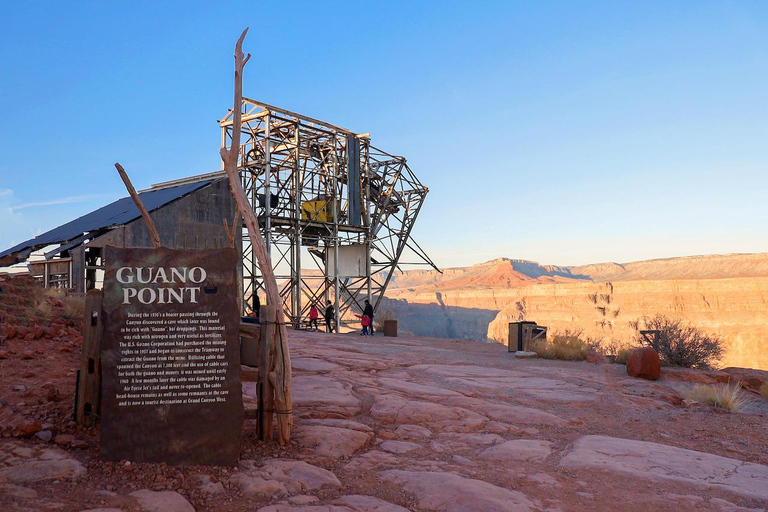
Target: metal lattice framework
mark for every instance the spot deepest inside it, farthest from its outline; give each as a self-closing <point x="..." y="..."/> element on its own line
<point x="316" y="189"/>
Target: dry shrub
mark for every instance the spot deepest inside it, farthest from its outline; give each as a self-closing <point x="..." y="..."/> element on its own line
<point x="567" y="346"/>
<point x="39" y="299"/>
<point x="623" y="355"/>
<point x="616" y="350"/>
<point x="764" y="389"/>
<point x="382" y="316"/>
<point x="682" y="345"/>
<point x="725" y="397"/>
<point x="74" y="307"/>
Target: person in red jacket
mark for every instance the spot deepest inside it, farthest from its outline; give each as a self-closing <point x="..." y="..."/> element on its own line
<point x="365" y="321"/>
<point x="313" y="315"/>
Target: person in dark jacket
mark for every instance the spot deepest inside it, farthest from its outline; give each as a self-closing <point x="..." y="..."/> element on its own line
<point x="329" y="317"/>
<point x="368" y="311"/>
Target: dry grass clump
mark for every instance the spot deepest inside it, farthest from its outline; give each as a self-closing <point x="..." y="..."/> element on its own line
<point x="616" y="351"/>
<point x="381" y="317"/>
<point x="725" y="397"/>
<point x="764" y="390"/>
<point x="74" y="307"/>
<point x="622" y="355"/>
<point x="567" y="346"/>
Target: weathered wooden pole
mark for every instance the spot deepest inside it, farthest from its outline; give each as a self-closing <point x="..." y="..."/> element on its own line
<point x="282" y="373"/>
<point x="89" y="383"/>
<point x="266" y="363"/>
<point x="153" y="234"/>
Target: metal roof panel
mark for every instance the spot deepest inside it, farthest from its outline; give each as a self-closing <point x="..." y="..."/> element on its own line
<point x="118" y="213"/>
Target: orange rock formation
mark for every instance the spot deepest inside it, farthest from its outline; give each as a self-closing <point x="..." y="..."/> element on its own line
<point x="724" y="294"/>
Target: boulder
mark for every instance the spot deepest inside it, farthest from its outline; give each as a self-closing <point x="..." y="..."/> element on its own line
<point x="27" y="429"/>
<point x="44" y="435"/>
<point x="644" y="363"/>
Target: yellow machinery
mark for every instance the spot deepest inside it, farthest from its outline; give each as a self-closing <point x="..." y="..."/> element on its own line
<point x="318" y="210"/>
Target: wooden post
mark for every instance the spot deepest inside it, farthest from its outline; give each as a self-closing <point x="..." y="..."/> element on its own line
<point x="144" y="213"/>
<point x="89" y="384"/>
<point x="266" y="390"/>
<point x="232" y="235"/>
<point x="283" y="399"/>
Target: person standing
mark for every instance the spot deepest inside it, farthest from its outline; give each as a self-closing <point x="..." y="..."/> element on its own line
<point x="365" y="322"/>
<point x="313" y="315"/>
<point x="368" y="311"/>
<point x="329" y="316"/>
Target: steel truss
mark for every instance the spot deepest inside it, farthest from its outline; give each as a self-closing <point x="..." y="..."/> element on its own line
<point x="320" y="187"/>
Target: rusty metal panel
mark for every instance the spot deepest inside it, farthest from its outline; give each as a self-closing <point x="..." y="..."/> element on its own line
<point x="170" y="357"/>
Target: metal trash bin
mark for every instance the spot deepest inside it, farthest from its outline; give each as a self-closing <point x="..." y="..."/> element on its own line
<point x="390" y="328"/>
<point x="522" y="336"/>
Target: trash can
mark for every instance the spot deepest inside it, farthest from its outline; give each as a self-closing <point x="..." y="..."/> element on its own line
<point x="390" y="328"/>
<point x="523" y="334"/>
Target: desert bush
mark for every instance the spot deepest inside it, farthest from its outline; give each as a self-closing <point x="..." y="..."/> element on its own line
<point x="622" y="356"/>
<point x="616" y="350"/>
<point x="568" y="346"/>
<point x="764" y="389"/>
<point x="74" y="307"/>
<point x="381" y="317"/>
<point x="725" y="397"/>
<point x="682" y="345"/>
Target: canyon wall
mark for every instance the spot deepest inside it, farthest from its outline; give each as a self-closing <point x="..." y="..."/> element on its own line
<point x="457" y="303"/>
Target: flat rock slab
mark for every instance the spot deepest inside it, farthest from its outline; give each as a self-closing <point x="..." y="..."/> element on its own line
<point x="351" y="503"/>
<point x="251" y="485"/>
<point x="413" y="431"/>
<point x="298" y="476"/>
<point x="399" y="446"/>
<point x="456" y="442"/>
<point x="452" y="493"/>
<point x="43" y="471"/>
<point x="518" y="449"/>
<point x="163" y="501"/>
<point x="396" y="409"/>
<point x="331" y="443"/>
<point x="309" y="364"/>
<point x="324" y="393"/>
<point x="360" y="503"/>
<point x="658" y="462"/>
<point x="416" y="390"/>
<point x="508" y="413"/>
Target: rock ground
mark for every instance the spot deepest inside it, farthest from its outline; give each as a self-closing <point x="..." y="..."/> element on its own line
<point x="391" y="424"/>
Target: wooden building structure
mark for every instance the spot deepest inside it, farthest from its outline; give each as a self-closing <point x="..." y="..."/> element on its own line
<point x="188" y="213"/>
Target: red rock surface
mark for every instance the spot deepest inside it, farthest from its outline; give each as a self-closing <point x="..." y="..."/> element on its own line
<point x="644" y="363"/>
<point x="394" y="424"/>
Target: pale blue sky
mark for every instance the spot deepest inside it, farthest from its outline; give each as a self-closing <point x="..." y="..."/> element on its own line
<point x="563" y="132"/>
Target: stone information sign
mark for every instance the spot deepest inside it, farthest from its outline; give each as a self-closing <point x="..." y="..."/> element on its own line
<point x="170" y="357"/>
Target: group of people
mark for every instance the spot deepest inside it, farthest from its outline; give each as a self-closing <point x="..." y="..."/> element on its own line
<point x="329" y="316"/>
<point x="366" y="319"/>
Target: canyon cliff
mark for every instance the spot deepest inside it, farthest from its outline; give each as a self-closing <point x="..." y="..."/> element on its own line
<point x="722" y="294"/>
